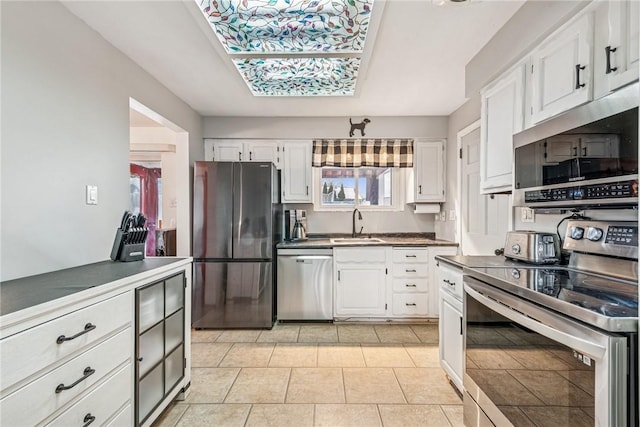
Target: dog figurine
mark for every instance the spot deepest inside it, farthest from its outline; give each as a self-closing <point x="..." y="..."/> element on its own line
<point x="360" y="126"/>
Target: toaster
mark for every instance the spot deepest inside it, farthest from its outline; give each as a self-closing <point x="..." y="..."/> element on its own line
<point x="532" y="247"/>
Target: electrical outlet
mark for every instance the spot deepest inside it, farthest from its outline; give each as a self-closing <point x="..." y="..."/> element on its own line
<point x="527" y="215"/>
<point x="443" y="216"/>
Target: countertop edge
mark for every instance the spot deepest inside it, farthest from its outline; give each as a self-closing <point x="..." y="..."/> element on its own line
<point x="13" y="322"/>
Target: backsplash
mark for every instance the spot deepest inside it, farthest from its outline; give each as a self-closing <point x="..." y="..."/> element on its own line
<point x="405" y="221"/>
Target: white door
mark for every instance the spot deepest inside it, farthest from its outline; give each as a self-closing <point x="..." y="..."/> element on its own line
<point x="562" y="70"/>
<point x="263" y="151"/>
<point x="429" y="167"/>
<point x="451" y="346"/>
<point x="227" y="151"/>
<point x="297" y="173"/>
<point x="624" y="35"/>
<point x="360" y="290"/>
<point x="485" y="218"/>
<point x="502" y="116"/>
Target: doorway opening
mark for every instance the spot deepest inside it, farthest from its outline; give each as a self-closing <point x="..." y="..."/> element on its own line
<point x="159" y="180"/>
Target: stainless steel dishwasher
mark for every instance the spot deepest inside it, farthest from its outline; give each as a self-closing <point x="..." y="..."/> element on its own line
<point x="305" y="284"/>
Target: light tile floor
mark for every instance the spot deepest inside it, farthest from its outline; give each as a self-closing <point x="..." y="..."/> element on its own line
<point x="317" y="375"/>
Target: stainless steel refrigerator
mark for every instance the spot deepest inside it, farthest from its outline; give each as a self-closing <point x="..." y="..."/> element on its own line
<point x="237" y="219"/>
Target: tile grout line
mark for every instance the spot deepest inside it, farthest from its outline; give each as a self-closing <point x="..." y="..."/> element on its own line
<point x="231" y="386"/>
<point x="404" y="396"/>
<point x="379" y="414"/>
<point x="223" y="356"/>
<point x="246" y="420"/>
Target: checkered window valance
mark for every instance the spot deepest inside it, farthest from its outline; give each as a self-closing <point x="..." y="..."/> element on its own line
<point x="353" y="153"/>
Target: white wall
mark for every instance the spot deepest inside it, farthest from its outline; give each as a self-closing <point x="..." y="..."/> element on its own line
<point x="323" y="127"/>
<point x="338" y="127"/>
<point x="65" y="117"/>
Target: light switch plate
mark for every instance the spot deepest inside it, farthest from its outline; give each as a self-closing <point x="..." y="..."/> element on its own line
<point x="527" y="215"/>
<point x="443" y="215"/>
<point x="92" y="194"/>
<point x="452" y="215"/>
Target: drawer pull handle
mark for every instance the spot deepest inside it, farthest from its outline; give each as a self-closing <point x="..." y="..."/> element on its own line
<point x="410" y="304"/>
<point x="409" y="256"/>
<point x="410" y="285"/>
<point x="448" y="282"/>
<point x="410" y="270"/>
<point x="85" y="374"/>
<point x="88" y="419"/>
<point x="88" y="327"/>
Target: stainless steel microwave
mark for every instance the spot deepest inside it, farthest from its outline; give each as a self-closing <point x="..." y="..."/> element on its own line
<point x="586" y="157"/>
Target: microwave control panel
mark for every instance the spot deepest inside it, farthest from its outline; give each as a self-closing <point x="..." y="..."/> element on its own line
<point x="613" y="190"/>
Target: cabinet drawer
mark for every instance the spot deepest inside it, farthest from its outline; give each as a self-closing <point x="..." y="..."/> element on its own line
<point x="410" y="255"/>
<point x="101" y="404"/>
<point x="31" y="404"/>
<point x="124" y="418"/>
<point x="418" y="284"/>
<point x="368" y="255"/>
<point x="410" y="304"/>
<point x="450" y="279"/>
<point x="28" y="352"/>
<point x="410" y="270"/>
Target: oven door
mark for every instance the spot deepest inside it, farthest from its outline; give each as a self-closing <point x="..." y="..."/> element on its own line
<point x="526" y="365"/>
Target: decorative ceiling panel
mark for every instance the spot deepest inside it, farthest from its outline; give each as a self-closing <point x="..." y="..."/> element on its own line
<point x="289" y="26"/>
<point x="300" y="76"/>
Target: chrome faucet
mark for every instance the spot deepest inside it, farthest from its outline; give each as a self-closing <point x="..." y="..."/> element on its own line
<point x="353" y="223"/>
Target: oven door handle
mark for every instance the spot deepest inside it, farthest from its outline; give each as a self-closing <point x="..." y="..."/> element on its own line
<point x="504" y="308"/>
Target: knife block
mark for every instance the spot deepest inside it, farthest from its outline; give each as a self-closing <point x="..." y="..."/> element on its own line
<point x="124" y="251"/>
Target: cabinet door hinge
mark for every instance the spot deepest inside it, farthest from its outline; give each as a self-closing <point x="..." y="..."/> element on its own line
<point x="184" y="281"/>
<point x="385" y="306"/>
<point x="386" y="271"/>
<point x="460" y="153"/>
<point x="531" y="68"/>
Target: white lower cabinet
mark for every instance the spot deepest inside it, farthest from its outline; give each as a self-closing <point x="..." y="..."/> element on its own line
<point x="77" y="361"/>
<point x="94" y="408"/>
<point x="74" y="365"/>
<point x="451" y="345"/>
<point x="360" y="282"/>
<point x="386" y="282"/>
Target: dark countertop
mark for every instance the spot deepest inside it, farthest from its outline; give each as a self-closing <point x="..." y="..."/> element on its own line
<point x="461" y="261"/>
<point x="30" y="291"/>
<point x="395" y="239"/>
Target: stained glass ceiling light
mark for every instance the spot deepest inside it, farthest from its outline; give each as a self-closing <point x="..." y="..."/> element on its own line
<point x="289" y="26"/>
<point x="293" y="47"/>
<point x="299" y="76"/>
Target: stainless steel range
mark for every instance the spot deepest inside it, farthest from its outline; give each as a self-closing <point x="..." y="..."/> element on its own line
<point x="556" y="345"/>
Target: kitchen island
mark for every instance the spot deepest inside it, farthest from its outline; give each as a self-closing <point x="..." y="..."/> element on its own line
<point x="89" y="343"/>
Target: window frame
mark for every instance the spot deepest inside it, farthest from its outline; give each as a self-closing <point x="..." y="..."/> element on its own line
<point x="397" y="195"/>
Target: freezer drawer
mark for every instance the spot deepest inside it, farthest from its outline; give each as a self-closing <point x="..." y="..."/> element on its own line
<point x="304" y="285"/>
<point x="233" y="295"/>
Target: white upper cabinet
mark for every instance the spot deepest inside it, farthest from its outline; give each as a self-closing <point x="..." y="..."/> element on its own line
<point x="502" y="113"/>
<point x="297" y="172"/>
<point x="622" y="51"/>
<point x="562" y="69"/>
<point x="426" y="180"/>
<point x="262" y="151"/>
<point x="221" y="150"/>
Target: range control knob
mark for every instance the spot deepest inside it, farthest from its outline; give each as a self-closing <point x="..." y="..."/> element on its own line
<point x="594" y="234"/>
<point x="576" y="233"/>
<point x="515" y="249"/>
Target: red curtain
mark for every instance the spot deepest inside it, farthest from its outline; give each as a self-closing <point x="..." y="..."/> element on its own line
<point x="148" y="201"/>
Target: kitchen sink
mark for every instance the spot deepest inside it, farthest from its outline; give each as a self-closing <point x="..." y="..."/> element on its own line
<point x="356" y="240"/>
